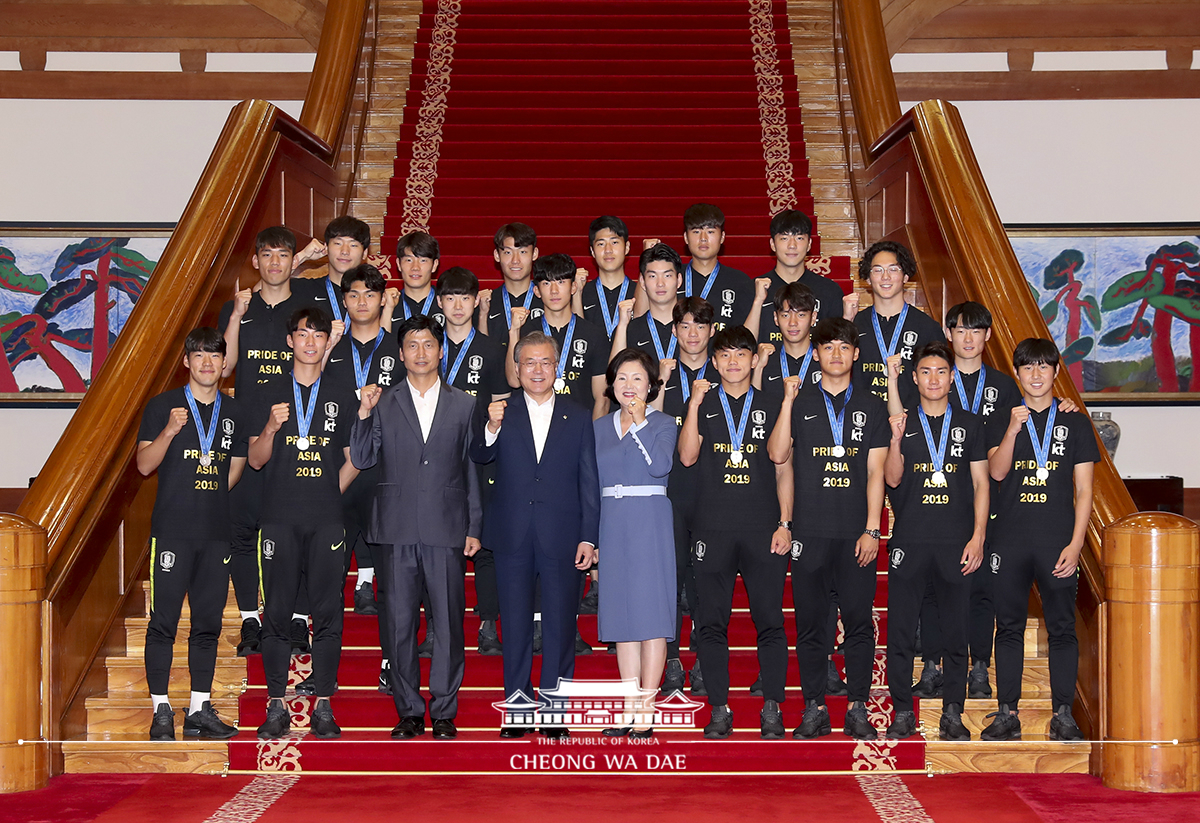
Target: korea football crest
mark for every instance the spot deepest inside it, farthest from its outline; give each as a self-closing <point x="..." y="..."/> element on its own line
<point x="1059" y="447"/>
<point x="268" y="549"/>
<point x="387" y="364"/>
<point x="331" y="411"/>
<point x="474" y="366"/>
<point x="994" y="563"/>
<point x="897" y="558"/>
<point x="759" y="418"/>
<point x="166" y="561"/>
<point x="227" y="427"/>
<point x="797" y="549"/>
<point x="727" y="298"/>
<point x="958" y="436"/>
<point x="578" y="348"/>
<point x="859" y="419"/>
<point x="700" y="550"/>
<point x="991" y="394"/>
<point x="910" y="339"/>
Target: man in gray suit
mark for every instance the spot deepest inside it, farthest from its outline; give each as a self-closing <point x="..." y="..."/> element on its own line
<point x="426" y="519"/>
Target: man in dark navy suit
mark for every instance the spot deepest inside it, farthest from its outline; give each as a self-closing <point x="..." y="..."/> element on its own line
<point x="543" y="520"/>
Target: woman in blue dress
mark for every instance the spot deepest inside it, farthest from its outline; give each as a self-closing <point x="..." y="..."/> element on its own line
<point x="634" y="450"/>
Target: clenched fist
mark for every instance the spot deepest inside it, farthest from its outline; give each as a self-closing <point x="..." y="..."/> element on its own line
<point x="176" y="422"/>
<point x="370" y="396"/>
<point x="496" y="415"/>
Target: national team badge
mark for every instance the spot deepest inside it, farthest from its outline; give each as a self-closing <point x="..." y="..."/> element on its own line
<point x="227" y="425"/>
<point x="897" y="558"/>
<point x="1060" y="433"/>
<point x="910" y="338"/>
<point x="958" y="434"/>
<point x="268" y="549"/>
<point x="797" y="548"/>
<point x="166" y="561"/>
<point x="580" y="346"/>
<point x="331" y="409"/>
<point x="387" y="363"/>
<point x="859" y="419"/>
<point x="700" y="549"/>
<point x="474" y="362"/>
<point x="991" y="394"/>
<point x="759" y="417"/>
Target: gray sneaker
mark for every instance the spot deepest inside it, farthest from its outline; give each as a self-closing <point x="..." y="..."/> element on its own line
<point x="206" y="724"/>
<point x="1005" y="726"/>
<point x="903" y="726"/>
<point x="951" y="726"/>
<point x="1063" y="726"/>
<point x="858" y="725"/>
<point x="978" y="686"/>
<point x="720" y="726"/>
<point x="815" y="723"/>
<point x="771" y="721"/>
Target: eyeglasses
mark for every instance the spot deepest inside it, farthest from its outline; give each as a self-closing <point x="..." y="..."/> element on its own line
<point x="888" y="269"/>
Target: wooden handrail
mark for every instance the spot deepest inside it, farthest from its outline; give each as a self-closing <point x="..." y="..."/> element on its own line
<point x="872" y="84"/>
<point x="331" y="87"/>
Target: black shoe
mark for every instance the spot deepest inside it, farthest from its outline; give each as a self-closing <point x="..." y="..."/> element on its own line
<point x="300" y="643"/>
<point x="408" y="728"/>
<point x="611" y="649"/>
<point x="977" y="681"/>
<point x="278" y="722"/>
<point x="251" y="636"/>
<point x="834" y="685"/>
<point x="322" y="724"/>
<point x="930" y="684"/>
<point x="489" y="640"/>
<point x="1006" y="726"/>
<point x="858" y="725"/>
<point x="581" y="645"/>
<point x="756" y="686"/>
<point x="555" y="732"/>
<point x="951" y="726"/>
<point x="770" y="721"/>
<point x="697" y="680"/>
<point x="444" y="729"/>
<point x="364" y="599"/>
<point x="163" y="725"/>
<point x="720" y="725"/>
<point x="673" y="680"/>
<point x="206" y="724"/>
<point x="815" y="723"/>
<point x="591" y="601"/>
<point x="385" y="680"/>
<point x="537" y="637"/>
<point x="1063" y="726"/>
<point x="903" y="726"/>
<point x="307" y="687"/>
<point x="620" y="731"/>
<point x="425" y="648"/>
<point x="641" y="734"/>
<point x="514" y="732"/>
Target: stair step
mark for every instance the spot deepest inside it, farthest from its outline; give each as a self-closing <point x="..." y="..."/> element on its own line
<point x="1028" y="756"/>
<point x="128" y="674"/>
<point x="133" y="753"/>
<point x="110" y="716"/>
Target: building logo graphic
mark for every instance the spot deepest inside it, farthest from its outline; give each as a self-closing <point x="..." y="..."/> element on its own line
<point x="598" y="704"/>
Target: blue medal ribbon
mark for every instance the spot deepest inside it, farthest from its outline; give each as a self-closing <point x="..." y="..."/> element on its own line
<point x="1041" y="446"/>
<point x="206" y="437"/>
<point x="736" y="435"/>
<point x="611" y="318"/>
<point x="837" y="423"/>
<point x="962" y="392"/>
<point x="786" y="370"/>
<point x="508" y="303"/>
<point x="937" y="456"/>
<point x="335" y="304"/>
<point x="687" y="281"/>
<point x="565" y="353"/>
<point x="304" y="415"/>
<point x="458" y="361"/>
<point x="428" y="304"/>
<point x="889" y="350"/>
<point x="686" y="385"/>
<point x="657" y="340"/>
<point x="362" y="370"/>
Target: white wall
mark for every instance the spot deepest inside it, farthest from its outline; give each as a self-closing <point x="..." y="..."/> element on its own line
<point x="1157" y="440"/>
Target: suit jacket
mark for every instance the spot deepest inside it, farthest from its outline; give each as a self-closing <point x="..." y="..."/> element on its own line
<point x="560" y="494"/>
<point x="428" y="491"/>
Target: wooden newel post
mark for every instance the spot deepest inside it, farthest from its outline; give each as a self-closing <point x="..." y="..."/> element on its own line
<point x="1152" y="726"/>
<point x="24" y="755"/>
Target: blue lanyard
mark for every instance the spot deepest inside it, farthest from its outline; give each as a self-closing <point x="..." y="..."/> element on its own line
<point x="686" y="385"/>
<point x="837" y="423"/>
<point x="206" y="437"/>
<point x="736" y="435"/>
<point x="962" y="392"/>
<point x="427" y="305"/>
<point x="1041" y="446"/>
<point x="304" y="416"/>
<point x="885" y="353"/>
<point x="785" y="370"/>
<point x="938" y="457"/>
<point x="458" y="361"/>
<point x="687" y="281"/>
<point x="335" y="304"/>
<point x="611" y="318"/>
<point x="657" y="340"/>
<point x="361" y="370"/>
<point x="565" y="353"/>
<point x="508" y="303"/>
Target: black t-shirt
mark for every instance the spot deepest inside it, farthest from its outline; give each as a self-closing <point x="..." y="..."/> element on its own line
<point x="385" y="368"/>
<point x="1000" y="395"/>
<point x="829" y="303"/>
<point x="772" y="373"/>
<point x="411" y="308"/>
<point x="481" y="372"/>
<point x="192" y="501"/>
<point x="831" y="492"/>
<point x="314" y="291"/>
<point x="1043" y="511"/>
<point x="919" y="329"/>
<point x="586" y="358"/>
<point x="681" y="485"/>
<point x="497" y="320"/>
<point x="731" y="294"/>
<point x="594" y="292"/>
<point x="263" y="352"/>
<point x="733" y="495"/>
<point x="302" y="488"/>
<point x="927" y="513"/>
<point x="638" y="335"/>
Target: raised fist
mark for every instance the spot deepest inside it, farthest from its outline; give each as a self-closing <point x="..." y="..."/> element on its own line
<point x="765" y="350"/>
<point x="519" y="315"/>
<point x="850" y="305"/>
<point x="496" y="415"/>
<point x="895" y="364"/>
<point x="898" y="423"/>
<point x="176" y="421"/>
<point x="650" y="242"/>
<point x="1019" y="415"/>
<point x="581" y="278"/>
<point x="762" y="285"/>
<point x="241" y="302"/>
<point x="699" y="389"/>
<point x="370" y="396"/>
<point x="625" y="310"/>
<point x="280" y="413"/>
<point x="665" y="367"/>
<point x="791" y="387"/>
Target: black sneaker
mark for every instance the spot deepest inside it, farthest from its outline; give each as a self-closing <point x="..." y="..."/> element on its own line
<point x="489" y="640"/>
<point x="425" y="647"/>
<point x="978" y="686"/>
<point x="930" y="684"/>
<point x="770" y="721"/>
<point x="206" y="724"/>
<point x="591" y="601"/>
<point x="537" y="637"/>
<point x="684" y="605"/>
<point x="300" y="643"/>
<point x="581" y="645"/>
<point x="1063" y="726"/>
<point x="858" y="725"/>
<point x="673" y="680"/>
<point x="163" y="725"/>
<point x="322" y="724"/>
<point x="951" y="726"/>
<point x="278" y="722"/>
<point x="364" y="599"/>
<point x="814" y="724"/>
<point x="697" y="680"/>
<point x="834" y="685"/>
<point x="307" y="688"/>
<point x="903" y="726"/>
<point x="720" y="725"/>
<point x="1006" y="726"/>
<point x="251" y="636"/>
<point x="385" y="680"/>
<point x="756" y="686"/>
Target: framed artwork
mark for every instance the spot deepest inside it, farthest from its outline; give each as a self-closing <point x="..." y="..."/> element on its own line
<point x="65" y="294"/>
<point x="1123" y="304"/>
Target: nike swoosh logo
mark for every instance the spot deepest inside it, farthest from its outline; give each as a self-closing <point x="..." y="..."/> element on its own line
<point x="251" y="320"/>
<point x="337" y="546"/>
<point x="910" y="434"/>
<point x="642" y="343"/>
<point x="775" y="377"/>
<point x="710" y="416"/>
<point x="810" y="417"/>
<point x="226" y="561"/>
<point x="326" y="299"/>
<point x="585" y="308"/>
<point x="337" y="360"/>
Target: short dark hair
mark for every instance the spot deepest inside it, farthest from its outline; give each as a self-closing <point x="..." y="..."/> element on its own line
<point x="791" y="221"/>
<point x="275" y="237"/>
<point x="420" y="243"/>
<point x="204" y="339"/>
<point x="969" y="315"/>
<point x="420" y="322"/>
<point x="614" y="224"/>
<point x="519" y="233"/>
<point x="370" y="277"/>
<point x="699" y="308"/>
<point x="552" y="267"/>
<point x="660" y="252"/>
<point x="908" y="263"/>
<point x="1035" y="351"/>
<point x="315" y="318"/>
<point x="632" y="355"/>
<point x="934" y="348"/>
<point x="834" y="328"/>
<point x="535" y="338"/>
<point x="703" y="216"/>
<point x="347" y="226"/>
<point x="457" y="280"/>
<point x="795" y="296"/>
<point x="734" y="337"/>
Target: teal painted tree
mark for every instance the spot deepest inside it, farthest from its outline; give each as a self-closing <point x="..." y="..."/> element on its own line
<point x="1062" y="278"/>
<point x="13" y="279"/>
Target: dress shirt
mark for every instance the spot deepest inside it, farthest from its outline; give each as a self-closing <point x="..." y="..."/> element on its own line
<point x="539" y="422"/>
<point x="426" y="405"/>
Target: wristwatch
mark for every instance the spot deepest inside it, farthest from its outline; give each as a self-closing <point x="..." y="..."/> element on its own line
<point x="785" y="524"/>
<point x="872" y="532"/>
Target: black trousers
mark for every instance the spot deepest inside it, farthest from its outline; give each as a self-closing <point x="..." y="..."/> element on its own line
<point x="198" y="569"/>
<point x="245" y="500"/>
<point x="411" y="571"/>
<point x="983" y="613"/>
<point x="824" y="566"/>
<point x="487" y="601"/>
<point x="287" y="554"/>
<point x="719" y="557"/>
<point x="685" y="579"/>
<point x="914" y="570"/>
<point x="1015" y="566"/>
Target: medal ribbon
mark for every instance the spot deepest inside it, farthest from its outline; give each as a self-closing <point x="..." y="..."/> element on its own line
<point x="508" y="303"/>
<point x="206" y="437"/>
<point x="891" y="349"/>
<point x="786" y="370"/>
<point x="335" y="304"/>
<point x="685" y="384"/>
<point x="428" y="304"/>
<point x="304" y="416"/>
<point x="565" y="353"/>
<point x="1041" y="447"/>
<point x="736" y="435"/>
<point x="962" y="392"/>
<point x="687" y="281"/>
<point x="458" y="361"/>
<point x="611" y="318"/>
<point x="938" y="457"/>
<point x="837" y="422"/>
<point x="654" y="337"/>
<point x="361" y="370"/>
